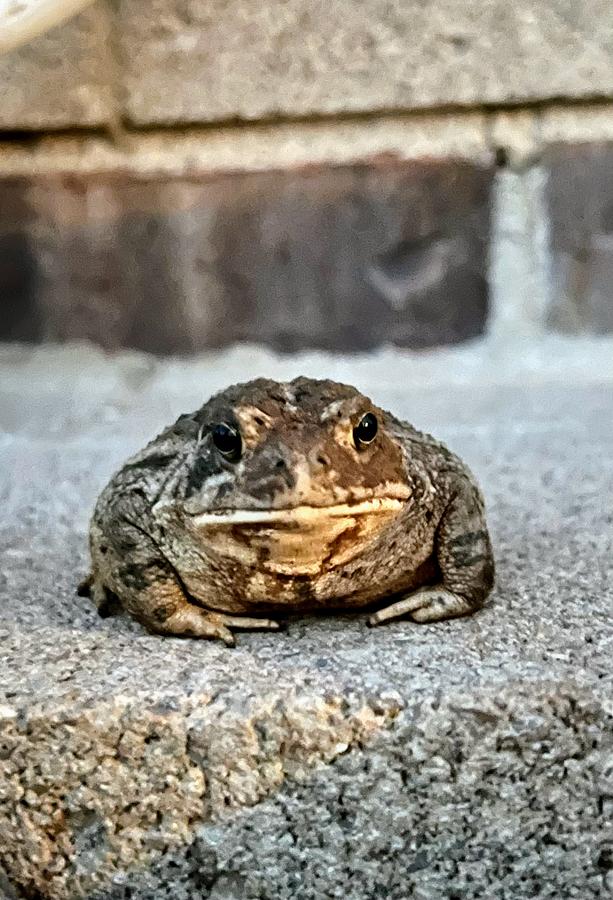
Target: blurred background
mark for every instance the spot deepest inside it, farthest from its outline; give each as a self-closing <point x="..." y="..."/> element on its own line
<point x="180" y="175"/>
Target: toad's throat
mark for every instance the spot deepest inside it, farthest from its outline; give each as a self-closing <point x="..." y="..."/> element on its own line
<point x="300" y="541"/>
<point x="298" y="515"/>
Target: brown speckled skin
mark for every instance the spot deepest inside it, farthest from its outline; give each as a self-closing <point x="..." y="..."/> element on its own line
<point x="191" y="543"/>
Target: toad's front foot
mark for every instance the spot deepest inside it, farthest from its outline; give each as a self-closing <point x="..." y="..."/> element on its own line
<point x="425" y="605"/>
<point x="192" y="621"/>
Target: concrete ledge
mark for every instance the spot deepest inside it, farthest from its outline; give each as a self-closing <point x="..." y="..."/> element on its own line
<point x="476" y="795"/>
<point x="465" y="759"/>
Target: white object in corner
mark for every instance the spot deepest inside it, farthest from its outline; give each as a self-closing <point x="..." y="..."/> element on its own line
<point x="22" y="20"/>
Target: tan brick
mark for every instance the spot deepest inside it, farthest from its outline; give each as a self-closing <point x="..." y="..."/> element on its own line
<point x="205" y="60"/>
<point x="61" y="79"/>
<point x="592" y="123"/>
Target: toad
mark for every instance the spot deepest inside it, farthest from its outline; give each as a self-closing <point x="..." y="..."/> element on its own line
<point x="277" y="498"/>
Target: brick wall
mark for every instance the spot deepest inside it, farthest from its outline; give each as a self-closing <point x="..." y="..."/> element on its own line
<point x="187" y="173"/>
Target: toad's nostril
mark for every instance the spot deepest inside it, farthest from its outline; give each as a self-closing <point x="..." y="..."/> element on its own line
<point x="323" y="460"/>
<point x="280" y="464"/>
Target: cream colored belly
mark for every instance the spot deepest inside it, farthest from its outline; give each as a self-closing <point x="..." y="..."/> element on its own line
<point x="293" y="559"/>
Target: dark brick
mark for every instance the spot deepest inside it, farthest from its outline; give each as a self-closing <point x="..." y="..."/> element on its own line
<point x="113" y="268"/>
<point x="580" y="207"/>
<point x="352" y="257"/>
<point x="334" y="257"/>
<point x="19" y="313"/>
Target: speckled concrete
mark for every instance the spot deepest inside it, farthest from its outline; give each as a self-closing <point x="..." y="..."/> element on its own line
<point x="463" y="759"/>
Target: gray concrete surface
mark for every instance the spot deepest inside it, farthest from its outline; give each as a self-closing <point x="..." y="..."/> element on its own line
<point x="176" y="62"/>
<point x="466" y="759"/>
<point x="60" y="79"/>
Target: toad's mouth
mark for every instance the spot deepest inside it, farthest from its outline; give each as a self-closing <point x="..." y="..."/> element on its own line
<point x="299" y="541"/>
<point x="298" y="515"/>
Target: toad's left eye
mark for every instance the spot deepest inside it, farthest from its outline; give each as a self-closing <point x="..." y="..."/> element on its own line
<point x="365" y="431"/>
<point x="227" y="440"/>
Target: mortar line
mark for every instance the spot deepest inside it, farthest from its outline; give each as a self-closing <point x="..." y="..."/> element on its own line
<point x="121" y="126"/>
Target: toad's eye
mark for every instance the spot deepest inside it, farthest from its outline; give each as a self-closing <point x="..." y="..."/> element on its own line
<point x="365" y="431"/>
<point x="228" y="441"/>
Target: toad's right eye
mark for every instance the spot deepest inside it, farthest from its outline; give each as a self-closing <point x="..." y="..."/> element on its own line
<point x="366" y="431"/>
<point x="228" y="441"/>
